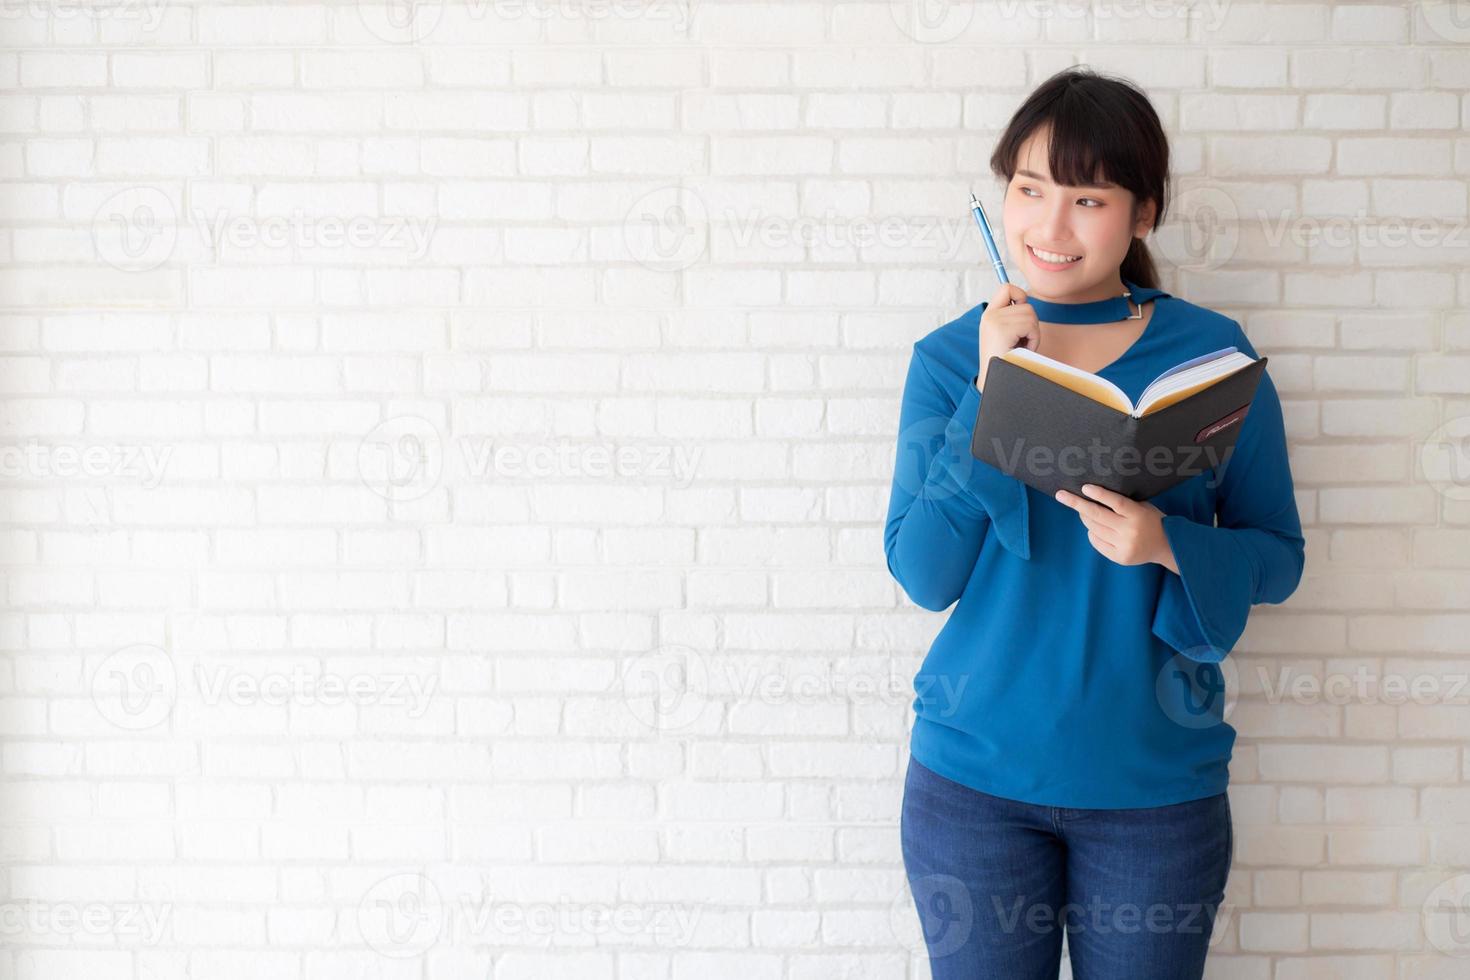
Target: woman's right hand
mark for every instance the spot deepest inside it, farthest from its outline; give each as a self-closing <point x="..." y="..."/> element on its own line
<point x="1004" y="326"/>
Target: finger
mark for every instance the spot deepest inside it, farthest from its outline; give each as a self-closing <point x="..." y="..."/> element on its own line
<point x="1032" y="337"/>
<point x="1098" y="527"/>
<point x="1103" y="534"/>
<point x="1114" y="501"/>
<point x="1089" y="509"/>
<point x="1008" y="293"/>
<point x="1102" y="545"/>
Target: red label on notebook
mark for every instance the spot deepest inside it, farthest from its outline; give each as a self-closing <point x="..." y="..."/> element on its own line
<point x="1216" y="426"/>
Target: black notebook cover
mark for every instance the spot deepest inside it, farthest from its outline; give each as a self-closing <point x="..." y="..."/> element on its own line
<point x="1052" y="438"/>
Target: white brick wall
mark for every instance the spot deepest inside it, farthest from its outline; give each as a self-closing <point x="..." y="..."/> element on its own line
<point x="445" y="462"/>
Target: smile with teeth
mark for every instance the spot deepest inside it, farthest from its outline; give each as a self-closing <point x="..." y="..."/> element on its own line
<point x="1054" y="257"/>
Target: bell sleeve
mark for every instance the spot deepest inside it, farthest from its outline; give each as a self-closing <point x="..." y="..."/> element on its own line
<point x="944" y="501"/>
<point x="1254" y="552"/>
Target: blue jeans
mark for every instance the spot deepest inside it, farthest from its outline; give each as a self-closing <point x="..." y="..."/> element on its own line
<point x="996" y="882"/>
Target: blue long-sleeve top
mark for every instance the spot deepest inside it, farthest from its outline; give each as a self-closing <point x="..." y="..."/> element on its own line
<point x="1061" y="677"/>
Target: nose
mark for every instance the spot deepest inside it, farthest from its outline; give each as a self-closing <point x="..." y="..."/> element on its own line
<point x="1055" y="223"/>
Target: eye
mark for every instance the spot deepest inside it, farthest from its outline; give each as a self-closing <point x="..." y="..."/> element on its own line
<point x="1027" y="189"/>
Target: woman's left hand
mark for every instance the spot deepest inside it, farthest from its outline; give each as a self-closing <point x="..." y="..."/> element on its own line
<point x="1124" y="530"/>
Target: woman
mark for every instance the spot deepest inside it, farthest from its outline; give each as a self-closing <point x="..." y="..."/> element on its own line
<point x="1069" y="755"/>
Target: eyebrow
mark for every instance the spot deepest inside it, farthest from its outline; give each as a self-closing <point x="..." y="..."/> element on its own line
<point x="1036" y="176"/>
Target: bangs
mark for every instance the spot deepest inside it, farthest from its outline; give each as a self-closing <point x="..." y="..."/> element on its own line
<point x="1083" y="147"/>
<point x="1086" y="144"/>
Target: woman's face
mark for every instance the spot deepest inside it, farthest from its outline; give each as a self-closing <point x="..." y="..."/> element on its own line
<point x="1095" y="225"/>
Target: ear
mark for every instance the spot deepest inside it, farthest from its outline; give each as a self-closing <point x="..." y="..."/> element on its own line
<point x="1145" y="223"/>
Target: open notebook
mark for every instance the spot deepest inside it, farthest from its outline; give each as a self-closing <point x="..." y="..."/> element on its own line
<point x="1175" y="384"/>
<point x="1054" y="426"/>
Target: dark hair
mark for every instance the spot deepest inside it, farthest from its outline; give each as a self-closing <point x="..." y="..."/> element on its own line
<point x="1103" y="128"/>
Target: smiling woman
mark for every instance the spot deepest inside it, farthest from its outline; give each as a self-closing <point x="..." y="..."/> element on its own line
<point x="1077" y="753"/>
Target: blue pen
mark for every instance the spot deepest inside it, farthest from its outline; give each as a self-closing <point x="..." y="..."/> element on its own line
<point x="979" y="212"/>
<point x="990" y="240"/>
